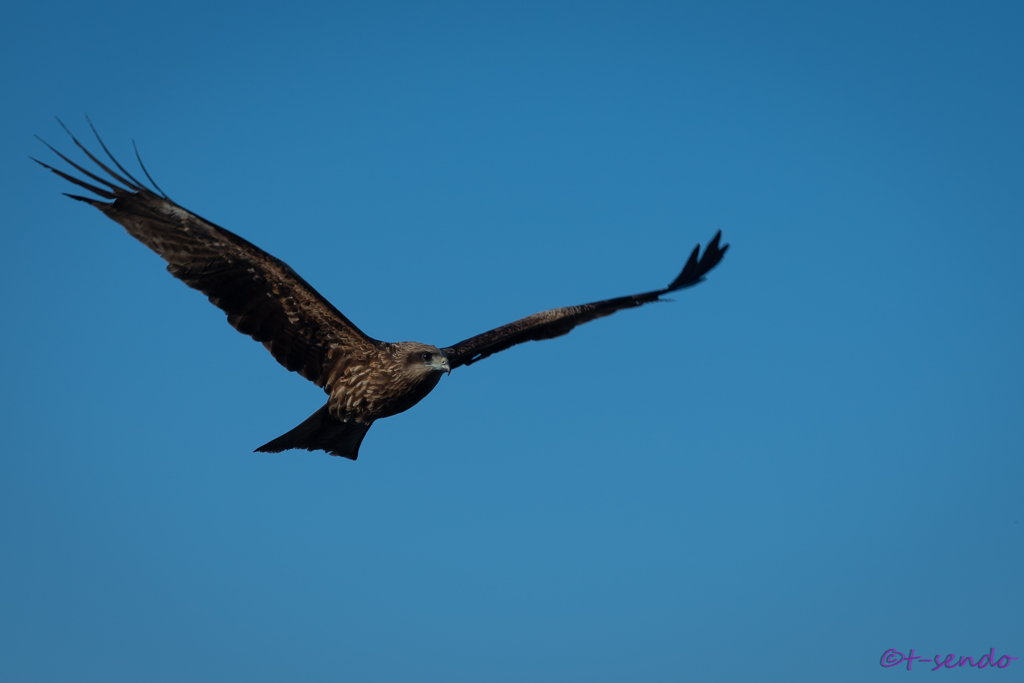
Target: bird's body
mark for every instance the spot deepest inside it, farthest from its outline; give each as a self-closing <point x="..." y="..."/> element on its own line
<point x="383" y="381"/>
<point x="365" y="379"/>
<point x="364" y="386"/>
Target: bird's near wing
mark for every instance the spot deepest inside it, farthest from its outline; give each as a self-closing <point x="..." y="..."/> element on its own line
<point x="559" y="321"/>
<point x="262" y="296"/>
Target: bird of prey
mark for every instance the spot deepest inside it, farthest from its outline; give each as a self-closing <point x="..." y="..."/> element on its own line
<point x="365" y="379"/>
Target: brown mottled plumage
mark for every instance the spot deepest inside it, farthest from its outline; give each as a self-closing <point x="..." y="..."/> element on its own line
<point x="365" y="379"/>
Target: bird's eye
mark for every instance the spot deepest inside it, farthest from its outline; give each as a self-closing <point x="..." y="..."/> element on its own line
<point x="426" y="356"/>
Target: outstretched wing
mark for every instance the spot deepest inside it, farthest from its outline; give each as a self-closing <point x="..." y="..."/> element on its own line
<point x="262" y="296"/>
<point x="559" y="321"/>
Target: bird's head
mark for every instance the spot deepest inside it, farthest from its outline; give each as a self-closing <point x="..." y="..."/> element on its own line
<point x="423" y="359"/>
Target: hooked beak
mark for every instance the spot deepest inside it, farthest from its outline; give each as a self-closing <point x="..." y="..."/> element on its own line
<point x="445" y="367"/>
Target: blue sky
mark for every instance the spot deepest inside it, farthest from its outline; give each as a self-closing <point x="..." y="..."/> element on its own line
<point x="810" y="459"/>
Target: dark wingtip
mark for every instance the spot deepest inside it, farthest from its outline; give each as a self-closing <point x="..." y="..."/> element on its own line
<point x="87" y="200"/>
<point x="138" y="185"/>
<point x="45" y="143"/>
<point x="89" y="154"/>
<point x="696" y="268"/>
<point x="92" y="188"/>
<point x="139" y="157"/>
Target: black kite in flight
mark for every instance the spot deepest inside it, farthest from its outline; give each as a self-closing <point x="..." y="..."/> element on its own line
<point x="365" y="379"/>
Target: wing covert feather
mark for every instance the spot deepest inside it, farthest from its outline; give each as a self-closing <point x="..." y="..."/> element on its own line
<point x="558" y="321"/>
<point x="261" y="295"/>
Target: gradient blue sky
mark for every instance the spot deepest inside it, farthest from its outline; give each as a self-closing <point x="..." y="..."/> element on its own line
<point x="811" y="458"/>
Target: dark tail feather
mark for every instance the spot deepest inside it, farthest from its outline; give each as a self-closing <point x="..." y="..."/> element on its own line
<point x="321" y="432"/>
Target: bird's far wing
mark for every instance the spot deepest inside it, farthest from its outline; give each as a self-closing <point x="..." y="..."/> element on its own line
<point x="559" y="321"/>
<point x="262" y="296"/>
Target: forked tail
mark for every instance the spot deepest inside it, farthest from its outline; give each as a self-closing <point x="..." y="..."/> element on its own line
<point x="321" y="432"/>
